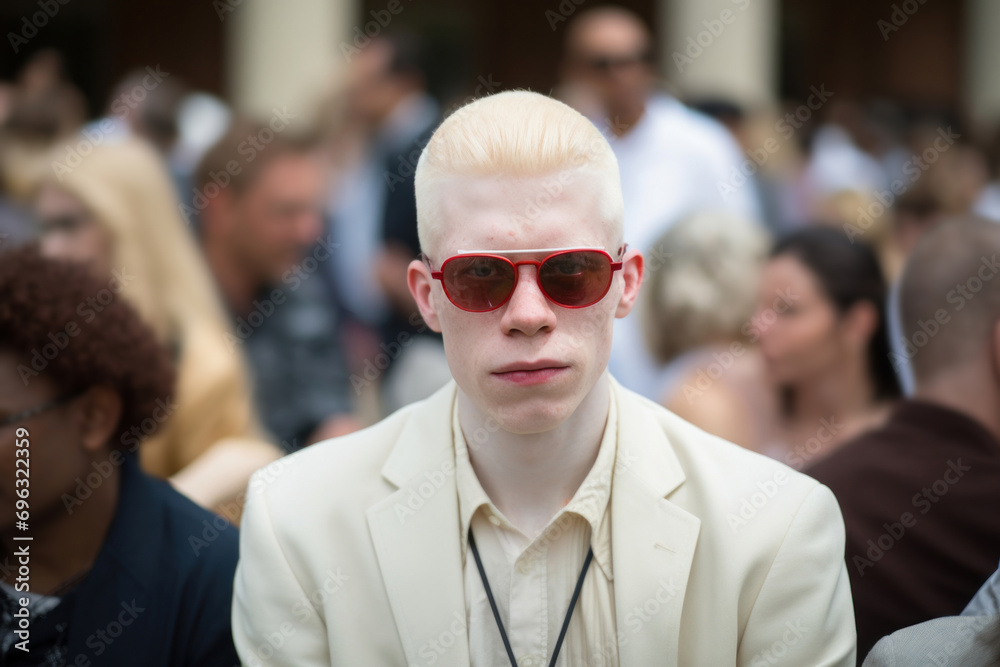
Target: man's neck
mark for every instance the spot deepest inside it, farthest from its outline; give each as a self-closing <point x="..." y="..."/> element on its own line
<point x="531" y="477"/>
<point x="237" y="287"/>
<point x="968" y="391"/>
<point x="622" y="120"/>
<point x="64" y="545"/>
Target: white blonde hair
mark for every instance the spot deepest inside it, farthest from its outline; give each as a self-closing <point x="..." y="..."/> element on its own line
<point x="514" y="133"/>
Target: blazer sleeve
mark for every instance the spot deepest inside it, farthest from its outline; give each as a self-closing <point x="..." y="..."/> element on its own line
<point x="274" y="622"/>
<point x="803" y="614"/>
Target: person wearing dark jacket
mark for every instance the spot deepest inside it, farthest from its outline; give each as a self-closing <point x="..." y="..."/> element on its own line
<point x="100" y="564"/>
<point x="919" y="494"/>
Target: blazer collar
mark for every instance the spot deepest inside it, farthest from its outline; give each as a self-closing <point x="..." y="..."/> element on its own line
<point x="415" y="534"/>
<point x="415" y="531"/>
<point x="653" y="540"/>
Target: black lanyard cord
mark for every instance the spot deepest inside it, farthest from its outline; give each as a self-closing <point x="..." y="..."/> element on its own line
<point x="496" y="612"/>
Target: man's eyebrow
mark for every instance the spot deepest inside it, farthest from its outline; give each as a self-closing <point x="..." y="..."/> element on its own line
<point x="511" y="252"/>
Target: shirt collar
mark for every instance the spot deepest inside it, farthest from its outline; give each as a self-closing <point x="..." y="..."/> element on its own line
<point x="590" y="502"/>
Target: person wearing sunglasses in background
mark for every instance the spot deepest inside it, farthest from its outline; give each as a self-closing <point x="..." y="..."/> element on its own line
<point x="533" y="511"/>
<point x="674" y="161"/>
<point x="100" y="564"/>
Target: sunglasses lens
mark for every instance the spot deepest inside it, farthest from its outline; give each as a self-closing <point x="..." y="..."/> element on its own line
<point x="576" y="278"/>
<point x="478" y="282"/>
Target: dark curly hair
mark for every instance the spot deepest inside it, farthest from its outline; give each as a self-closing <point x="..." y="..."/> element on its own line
<point x="49" y="320"/>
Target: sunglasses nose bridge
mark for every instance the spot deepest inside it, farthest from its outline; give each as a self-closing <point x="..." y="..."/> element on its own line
<point x="529" y="280"/>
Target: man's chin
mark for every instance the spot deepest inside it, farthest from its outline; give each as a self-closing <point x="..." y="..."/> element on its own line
<point x="533" y="415"/>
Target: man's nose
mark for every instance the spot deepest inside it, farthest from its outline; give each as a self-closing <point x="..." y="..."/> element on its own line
<point x="528" y="310"/>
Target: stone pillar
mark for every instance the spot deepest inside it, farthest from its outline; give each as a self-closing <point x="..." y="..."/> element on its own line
<point x="982" y="60"/>
<point x="721" y="48"/>
<point x="284" y="53"/>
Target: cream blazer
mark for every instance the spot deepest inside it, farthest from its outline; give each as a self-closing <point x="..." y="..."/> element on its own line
<point x="350" y="553"/>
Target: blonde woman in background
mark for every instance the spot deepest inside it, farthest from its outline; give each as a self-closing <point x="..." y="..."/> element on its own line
<point x="116" y="211"/>
<point x="697" y="301"/>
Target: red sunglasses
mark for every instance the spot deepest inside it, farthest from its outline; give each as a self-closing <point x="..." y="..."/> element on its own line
<point x="479" y="282"/>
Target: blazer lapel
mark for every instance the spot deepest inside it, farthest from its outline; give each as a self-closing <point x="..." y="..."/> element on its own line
<point x="653" y="540"/>
<point x="415" y="533"/>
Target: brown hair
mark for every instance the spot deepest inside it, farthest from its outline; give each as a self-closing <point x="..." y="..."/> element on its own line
<point x="44" y="305"/>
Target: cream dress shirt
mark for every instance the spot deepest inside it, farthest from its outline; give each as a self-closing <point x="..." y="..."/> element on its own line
<point x="533" y="579"/>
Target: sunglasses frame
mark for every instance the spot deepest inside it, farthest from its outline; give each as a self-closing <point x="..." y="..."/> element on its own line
<point x="553" y="252"/>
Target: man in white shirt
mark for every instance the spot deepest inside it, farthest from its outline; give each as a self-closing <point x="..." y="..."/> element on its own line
<point x="674" y="161"/>
<point x="533" y="511"/>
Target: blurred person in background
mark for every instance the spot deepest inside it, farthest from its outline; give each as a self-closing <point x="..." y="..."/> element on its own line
<point x="17" y="225"/>
<point x="123" y="568"/>
<point x="146" y="104"/>
<point x="372" y="210"/>
<point x="44" y="109"/>
<point x="919" y="493"/>
<point x="698" y="296"/>
<point x="262" y="233"/>
<point x="821" y="326"/>
<point x="971" y="639"/>
<point x="674" y="161"/>
<point x="949" y="187"/>
<point x="116" y="213"/>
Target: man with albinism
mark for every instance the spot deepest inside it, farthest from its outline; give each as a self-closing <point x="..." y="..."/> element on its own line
<point x="533" y="511"/>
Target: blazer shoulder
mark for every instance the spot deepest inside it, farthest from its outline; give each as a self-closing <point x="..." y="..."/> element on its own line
<point x="333" y="469"/>
<point x="722" y="477"/>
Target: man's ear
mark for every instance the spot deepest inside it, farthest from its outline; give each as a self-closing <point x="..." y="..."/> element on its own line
<point x="633" y="266"/>
<point x="99" y="411"/>
<point x="418" y="278"/>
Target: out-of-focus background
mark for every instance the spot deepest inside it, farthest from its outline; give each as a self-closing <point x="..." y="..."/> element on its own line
<point x="245" y="169"/>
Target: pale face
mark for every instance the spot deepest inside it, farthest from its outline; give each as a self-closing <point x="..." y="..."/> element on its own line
<point x="69" y="231"/>
<point x="530" y="363"/>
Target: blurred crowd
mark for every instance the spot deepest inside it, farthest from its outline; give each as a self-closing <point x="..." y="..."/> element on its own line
<point x="268" y="260"/>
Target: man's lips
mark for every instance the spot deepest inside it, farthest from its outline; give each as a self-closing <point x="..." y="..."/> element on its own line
<point x="530" y="373"/>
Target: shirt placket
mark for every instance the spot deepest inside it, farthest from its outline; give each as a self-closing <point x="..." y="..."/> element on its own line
<point x="529" y="604"/>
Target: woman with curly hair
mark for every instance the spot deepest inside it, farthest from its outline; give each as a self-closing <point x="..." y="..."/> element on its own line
<point x="115" y="211"/>
<point x="118" y="568"/>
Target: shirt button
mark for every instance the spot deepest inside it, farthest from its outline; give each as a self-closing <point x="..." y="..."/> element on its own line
<point x="494" y="520"/>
